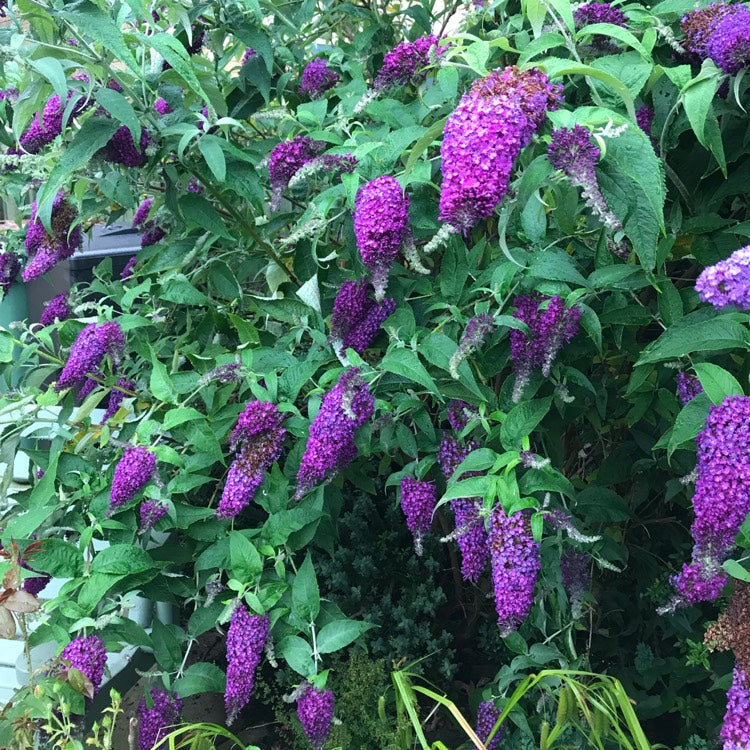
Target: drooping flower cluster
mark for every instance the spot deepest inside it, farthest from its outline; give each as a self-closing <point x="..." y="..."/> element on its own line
<point x="460" y="414"/>
<point x="164" y="712"/>
<point x="487" y="715"/>
<point x="153" y="233"/>
<point x="37" y="584"/>
<point x="286" y="159"/>
<point x="595" y="12"/>
<point x="470" y="533"/>
<point x="121" y="148"/>
<point x="418" y="500"/>
<point x="45" y="250"/>
<point x="551" y="325"/>
<point x="732" y="629"/>
<point x="128" y="270"/>
<point x="150" y="512"/>
<point x="330" y="447"/>
<point x="575" y="571"/>
<point x="574" y="153"/>
<point x="88" y="655"/>
<point x="88" y="351"/>
<point x="116" y="397"/>
<point x="515" y="565"/>
<point x="477" y="330"/>
<point x="407" y="61"/>
<point x="735" y="730"/>
<point x="357" y="318"/>
<point x="246" y="640"/>
<point x="140" y="217"/>
<point x="381" y="224"/>
<point x="10" y="265"/>
<point x="483" y="138"/>
<point x="688" y="386"/>
<point x="698" y="27"/>
<point x="315" y="712"/>
<point x="162" y="106"/>
<point x="258" y="439"/>
<point x="721" y="500"/>
<point x="56" y="309"/>
<point x="48" y="124"/>
<point x="317" y="78"/>
<point x="644" y="117"/>
<point x="727" y="282"/>
<point x="132" y="473"/>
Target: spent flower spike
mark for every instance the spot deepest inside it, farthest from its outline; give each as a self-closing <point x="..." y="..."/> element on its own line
<point x="477" y="330"/>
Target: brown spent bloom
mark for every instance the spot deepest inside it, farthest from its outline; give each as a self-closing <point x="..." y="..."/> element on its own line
<point x="732" y="629"/>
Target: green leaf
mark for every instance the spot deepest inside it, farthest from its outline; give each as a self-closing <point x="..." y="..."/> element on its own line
<point x="476" y="56"/>
<point x="160" y="384"/>
<point x="698" y="97"/>
<point x="615" y="32"/>
<point x="717" y="382"/>
<point x="121" y="109"/>
<point x="298" y="654"/>
<point x="736" y="570"/>
<point x="690" y="421"/>
<point x="619" y="277"/>
<point x="521" y="421"/>
<point x="695" y="333"/>
<point x="471" y="487"/>
<point x="556" y="265"/>
<point x="201" y="678"/>
<point x="94" y="135"/>
<point x="179" y="416"/>
<point x="305" y="593"/>
<point x="210" y="147"/>
<point x="52" y="70"/>
<point x="58" y="558"/>
<point x="339" y="634"/>
<point x="179" y="289"/>
<point x="223" y="281"/>
<point x="167" y="646"/>
<point x="176" y="55"/>
<point x="199" y="212"/>
<point x="245" y="560"/>
<point x="7" y="346"/>
<point x="405" y="362"/>
<point x="122" y="559"/>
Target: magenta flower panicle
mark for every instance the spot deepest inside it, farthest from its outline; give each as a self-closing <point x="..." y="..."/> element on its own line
<point x="88" y="351"/>
<point x="10" y="265"/>
<point x="418" y="500"/>
<point x="407" y="62"/>
<point x="727" y="283"/>
<point x="133" y="472"/>
<point x="154" y="722"/>
<point x="317" y="78"/>
<point x="286" y="159"/>
<point x="688" y="387"/>
<point x="487" y="715"/>
<point x="57" y="309"/>
<point x="315" y="712"/>
<point x="88" y="655"/>
<point x="735" y="730"/>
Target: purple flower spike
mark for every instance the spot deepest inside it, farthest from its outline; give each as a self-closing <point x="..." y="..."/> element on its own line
<point x="154" y="722"/>
<point x="132" y="473"/>
<point x="88" y="655"/>
<point x="418" y="500"/>
<point x="127" y="272"/>
<point x="688" y="387"/>
<point x="315" y="712"/>
<point x="728" y="282"/>
<point x="57" y="309"/>
<point x="140" y="217"/>
<point x="121" y="148"/>
<point x="317" y="78"/>
<point x="258" y="439"/>
<point x="515" y="566"/>
<point x="484" y="137"/>
<point x="246" y="640"/>
<point x="357" y="318"/>
<point x="330" y="447"/>
<point x="406" y="62"/>
<point x="644" y="117"/>
<point x="721" y="500"/>
<point x="286" y="159"/>
<point x="150" y="512"/>
<point x="88" y="351"/>
<point x="595" y="12"/>
<point x="487" y="715"/>
<point x="736" y="728"/>
<point x="460" y="414"/>
<point x="574" y="153"/>
<point x="116" y="398"/>
<point x="699" y="26"/>
<point x="10" y="265"/>
<point x="477" y="330"/>
<point x="162" y="106"/>
<point x="381" y="224"/>
<point x="152" y="235"/>
<point x="37" y="584"/>
<point x="248" y="54"/>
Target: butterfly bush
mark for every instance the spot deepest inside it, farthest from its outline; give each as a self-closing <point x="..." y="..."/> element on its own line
<point x="286" y="159"/>
<point x="133" y="472"/>
<point x="10" y="266"/>
<point x="699" y="25"/>
<point x="688" y="387"/>
<point x="418" y="501"/>
<point x="88" y="655"/>
<point x="476" y="331"/>
<point x="483" y="138"/>
<point x="487" y="716"/>
<point x="315" y="712"/>
<point x="735" y="730"/>
<point x="153" y="721"/>
<point x="406" y="62"/>
<point x="57" y="309"/>
<point x="727" y="282"/>
<point x="317" y="78"/>
<point x="122" y="149"/>
<point x="92" y="344"/>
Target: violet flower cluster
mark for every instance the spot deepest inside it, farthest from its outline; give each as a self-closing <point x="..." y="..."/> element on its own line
<point x="688" y="387"/>
<point x="315" y="712"/>
<point x="644" y="117"/>
<point x="551" y="325"/>
<point x="88" y="351"/>
<point x="37" y="584"/>
<point x="330" y="447"/>
<point x="317" y="78"/>
<point x="248" y="54"/>
<point x="729" y="44"/>
<point x="727" y="283"/>
<point x="699" y="25"/>
<point x="116" y="397"/>
<point x="132" y="473"/>
<point x="477" y="330"/>
<point x="47" y="125"/>
<point x="407" y="62"/>
<point x="483" y="138"/>
<point x="121" y="148"/>
<point x="153" y="233"/>
<point x="575" y="154"/>
<point x="246" y="640"/>
<point x="10" y="265"/>
<point x="56" y="309"/>
<point x="129" y="269"/>
<point x="153" y="722"/>
<point x="735" y="730"/>
<point x="460" y="414"/>
<point x="162" y="106"/>
<point x="595" y="12"/>
<point x="470" y="532"/>
<point x="381" y="224"/>
<point x="46" y="250"/>
<point x="150" y="512"/>
<point x="88" y="655"/>
<point x="418" y="500"/>
<point x="257" y="439"/>
<point x="721" y="500"/>
<point x="286" y="159"/>
<point x="516" y="563"/>
<point x="357" y="318"/>
<point x="487" y="715"/>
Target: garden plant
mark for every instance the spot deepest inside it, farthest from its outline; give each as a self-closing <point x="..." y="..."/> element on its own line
<point x="419" y="418"/>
